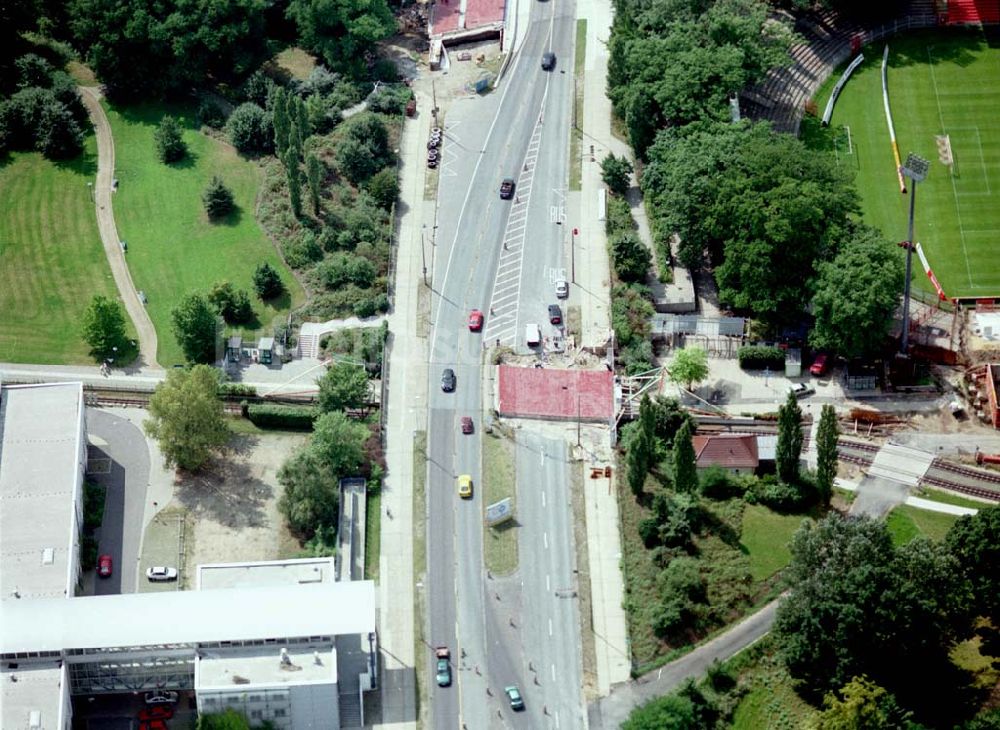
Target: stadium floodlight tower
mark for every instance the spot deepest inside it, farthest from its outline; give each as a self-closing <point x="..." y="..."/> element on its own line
<point x="916" y="169"/>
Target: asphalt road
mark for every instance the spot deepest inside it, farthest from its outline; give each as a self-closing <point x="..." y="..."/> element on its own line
<point x="486" y="139"/>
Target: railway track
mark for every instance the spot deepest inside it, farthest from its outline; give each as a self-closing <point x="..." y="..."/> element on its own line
<point x="139" y="400"/>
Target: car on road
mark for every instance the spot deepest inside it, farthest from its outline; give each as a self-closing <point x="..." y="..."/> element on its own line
<point x="104" y="566"/>
<point x="475" y="320"/>
<point x="161" y="697"/>
<point x="156" y="712"/>
<point x="507" y="188"/>
<point x="465" y="486"/>
<point x="555" y="314"/>
<point x="548" y="61"/>
<point x="801" y="389"/>
<point x="562" y="289"/>
<point x="532" y="335"/>
<point x="448" y="380"/>
<point x="466" y="424"/>
<point x="443" y="666"/>
<point x="820" y="365"/>
<point x="514" y="695"/>
<point x="161" y="574"/>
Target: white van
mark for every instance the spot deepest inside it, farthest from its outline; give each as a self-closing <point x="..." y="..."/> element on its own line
<point x="532" y="335"/>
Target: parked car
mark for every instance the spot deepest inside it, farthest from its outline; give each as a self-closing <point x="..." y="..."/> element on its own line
<point x="443" y="666"/>
<point x="104" y="566"/>
<point x="548" y="61"/>
<point x="156" y="712"/>
<point x="467" y="424"/>
<point x="507" y="188"/>
<point x="820" y="365"/>
<point x="532" y="335"/>
<point x="562" y="289"/>
<point x="801" y="389"/>
<point x="161" y="696"/>
<point x="475" y="320"/>
<point x="448" y="380"/>
<point x="465" y="486"/>
<point x="161" y="574"/>
<point x="514" y="695"/>
<point x="555" y="314"/>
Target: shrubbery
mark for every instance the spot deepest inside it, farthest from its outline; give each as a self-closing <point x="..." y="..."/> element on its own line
<point x="249" y="129"/>
<point x="273" y="415"/>
<point x="169" y="140"/>
<point x="758" y="357"/>
<point x="217" y="199"/>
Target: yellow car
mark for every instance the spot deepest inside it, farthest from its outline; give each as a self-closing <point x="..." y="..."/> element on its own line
<point x="465" y="486"/>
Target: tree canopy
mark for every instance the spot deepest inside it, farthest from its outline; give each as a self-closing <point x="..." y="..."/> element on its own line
<point x="185" y="417"/>
<point x="195" y="324"/>
<point x="345" y="385"/>
<point x="104" y="329"/>
<point x="689" y="366"/>
<point x="342" y="32"/>
<point x="857" y="294"/>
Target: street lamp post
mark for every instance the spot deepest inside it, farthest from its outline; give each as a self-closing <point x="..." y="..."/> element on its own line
<point x="916" y="169"/>
<point x="423" y="255"/>
<point x="90" y="189"/>
<point x="572" y="255"/>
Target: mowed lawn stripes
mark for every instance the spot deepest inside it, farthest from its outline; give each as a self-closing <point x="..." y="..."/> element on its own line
<point x="940" y="83"/>
<point x="173" y="249"/>
<point x="51" y="258"/>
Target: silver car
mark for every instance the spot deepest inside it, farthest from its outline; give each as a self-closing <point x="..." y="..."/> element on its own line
<point x="160" y="574"/>
<point x="562" y="289"/>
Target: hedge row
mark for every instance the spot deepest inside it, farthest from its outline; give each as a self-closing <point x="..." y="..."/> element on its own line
<point x="271" y="415"/>
<point x="758" y="357"/>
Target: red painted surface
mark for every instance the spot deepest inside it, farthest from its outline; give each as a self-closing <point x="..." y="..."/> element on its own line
<point x="483" y="12"/>
<point x="961" y="12"/>
<point x="445" y="17"/>
<point x="553" y="393"/>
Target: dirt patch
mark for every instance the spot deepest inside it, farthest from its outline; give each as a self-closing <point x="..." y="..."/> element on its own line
<point x="234" y="503"/>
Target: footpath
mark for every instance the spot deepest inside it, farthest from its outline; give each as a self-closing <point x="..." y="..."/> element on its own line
<point x="102" y="192"/>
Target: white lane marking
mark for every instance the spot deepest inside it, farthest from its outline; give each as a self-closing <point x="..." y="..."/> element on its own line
<point x="553" y="672"/>
<point x="550" y="627"/>
<point x="545" y="536"/>
<point x="548" y="585"/>
<point x="543" y="499"/>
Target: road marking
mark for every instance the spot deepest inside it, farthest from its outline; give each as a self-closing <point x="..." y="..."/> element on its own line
<point x="550" y="627"/>
<point x="545" y="536"/>
<point x="548" y="585"/>
<point x="553" y="672"/>
<point x="557" y="719"/>
<point x="543" y="499"/>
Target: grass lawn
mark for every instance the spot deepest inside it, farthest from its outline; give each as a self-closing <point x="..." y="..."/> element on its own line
<point x="770" y="701"/>
<point x="500" y="542"/>
<point x="373" y="534"/>
<point x="905" y="523"/>
<point x="576" y="135"/>
<point x="173" y="248"/>
<point x="940" y="83"/>
<point x="51" y="258"/>
<point x="940" y="495"/>
<point x="766" y="536"/>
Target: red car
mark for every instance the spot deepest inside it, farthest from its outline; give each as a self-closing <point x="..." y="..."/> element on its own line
<point x="820" y="365"/>
<point x="158" y="712"/>
<point x="475" y="320"/>
<point x="104" y="566"/>
<point x="466" y="424"/>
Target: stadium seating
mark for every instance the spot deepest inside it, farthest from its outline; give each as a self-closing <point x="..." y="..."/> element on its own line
<point x="973" y="12"/>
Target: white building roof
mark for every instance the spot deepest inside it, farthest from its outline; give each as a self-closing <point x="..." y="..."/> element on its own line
<point x="187" y="617"/>
<point x="38" y="689"/>
<point x="41" y="433"/>
<point x="259" y="574"/>
<point x="262" y="667"/>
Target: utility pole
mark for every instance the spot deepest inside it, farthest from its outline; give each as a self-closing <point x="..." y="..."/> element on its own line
<point x="572" y="255"/>
<point x="423" y="255"/>
<point x="916" y="169"/>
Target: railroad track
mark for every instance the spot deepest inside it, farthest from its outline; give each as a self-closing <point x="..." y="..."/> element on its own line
<point x="137" y="400"/>
<point x="981" y="492"/>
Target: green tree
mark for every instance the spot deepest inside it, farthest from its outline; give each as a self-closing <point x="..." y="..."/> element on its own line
<point x="974" y="540"/>
<point x="670" y="712"/>
<point x="195" y="325"/>
<point x="250" y="129"/>
<point x="35" y="119"/>
<point x="365" y="148"/>
<point x="682" y="592"/>
<point x="616" y="172"/>
<point x="344" y="385"/>
<point x="279" y="120"/>
<point x="301" y="120"/>
<point x="789" y="448"/>
<point x="384" y="187"/>
<point x="217" y="199"/>
<point x="267" y="282"/>
<point x="186" y="418"/>
<point x="862" y="704"/>
<point x="685" y="463"/>
<point x="630" y="256"/>
<point x="228" y="720"/>
<point x="169" y="140"/>
<point x="232" y="303"/>
<point x="314" y="176"/>
<point x="857" y="294"/>
<point x="641" y="449"/>
<point x="668" y="416"/>
<point x="826" y="452"/>
<point x="342" y="33"/>
<point x="104" y="329"/>
<point x="689" y="366"/>
<point x="294" y="180"/>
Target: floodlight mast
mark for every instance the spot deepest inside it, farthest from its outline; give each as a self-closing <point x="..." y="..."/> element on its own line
<point x="916" y="169"/>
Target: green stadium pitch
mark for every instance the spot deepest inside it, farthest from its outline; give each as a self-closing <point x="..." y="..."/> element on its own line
<point x="944" y="92"/>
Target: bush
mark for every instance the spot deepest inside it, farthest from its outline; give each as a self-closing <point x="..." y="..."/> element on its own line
<point x="717" y="483"/>
<point x="88" y="553"/>
<point x="93" y="505"/>
<point x="236" y="389"/>
<point x="618" y="217"/>
<point x="169" y="140"/>
<point x="630" y="313"/>
<point x="630" y="256"/>
<point x="217" y="199"/>
<point x="390" y="99"/>
<point x="267" y="282"/>
<point x="293" y="418"/>
<point x="257" y="89"/>
<point x="758" y="357"/>
<point x="365" y="307"/>
<point x="233" y="304"/>
<point x="302" y="251"/>
<point x="615" y="172"/>
<point x="211" y="115"/>
<point x="34" y="119"/>
<point x="779" y="496"/>
<point x="384" y="188"/>
<point x="638" y="357"/>
<point x="249" y="129"/>
<point x="347" y="268"/>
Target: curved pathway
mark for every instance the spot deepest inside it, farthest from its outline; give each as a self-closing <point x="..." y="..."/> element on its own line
<point x="109" y="232"/>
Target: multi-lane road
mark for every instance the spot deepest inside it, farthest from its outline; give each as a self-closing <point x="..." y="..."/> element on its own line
<point x="504" y="255"/>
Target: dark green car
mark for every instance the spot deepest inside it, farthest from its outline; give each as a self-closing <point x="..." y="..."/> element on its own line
<point x="514" y="695"/>
<point x="443" y="666"/>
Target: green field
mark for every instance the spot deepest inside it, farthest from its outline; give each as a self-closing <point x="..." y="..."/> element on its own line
<point x="940" y="83"/>
<point x="906" y="523"/>
<point x="766" y="536"/>
<point x="173" y="249"/>
<point x="51" y="259"/>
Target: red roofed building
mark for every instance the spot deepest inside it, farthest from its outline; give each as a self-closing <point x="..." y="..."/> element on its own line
<point x="735" y="453"/>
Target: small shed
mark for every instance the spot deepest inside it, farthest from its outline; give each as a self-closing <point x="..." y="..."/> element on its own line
<point x="265" y="350"/>
<point x="735" y="453"/>
<point x="234" y="348"/>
